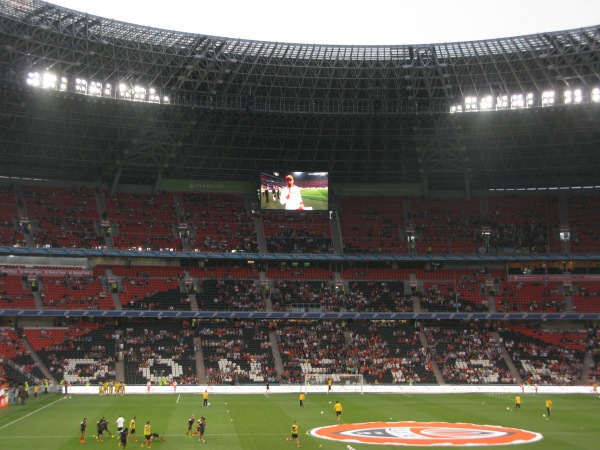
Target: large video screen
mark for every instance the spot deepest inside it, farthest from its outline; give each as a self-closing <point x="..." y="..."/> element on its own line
<point x="294" y="191"/>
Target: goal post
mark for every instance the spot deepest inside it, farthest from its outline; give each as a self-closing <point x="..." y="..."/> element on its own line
<point x="318" y="382"/>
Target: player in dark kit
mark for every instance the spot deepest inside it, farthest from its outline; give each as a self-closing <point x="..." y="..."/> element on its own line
<point x="82" y="427"/>
<point x="100" y="430"/>
<point x="106" y="427"/>
<point x="201" y="429"/>
<point x="190" y="422"/>
<point x="123" y="437"/>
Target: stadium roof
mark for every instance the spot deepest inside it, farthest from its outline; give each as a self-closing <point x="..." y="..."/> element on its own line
<point x="367" y="114"/>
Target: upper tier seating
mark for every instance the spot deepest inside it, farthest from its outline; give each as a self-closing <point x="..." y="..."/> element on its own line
<point x="142" y="221"/>
<point x="218" y="223"/>
<point x="63" y="217"/>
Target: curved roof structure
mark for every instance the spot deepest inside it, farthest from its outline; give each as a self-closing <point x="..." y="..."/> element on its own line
<point x="367" y="114"/>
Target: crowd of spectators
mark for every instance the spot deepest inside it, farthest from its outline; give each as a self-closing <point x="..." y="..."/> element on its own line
<point x="539" y="361"/>
<point x="467" y="354"/>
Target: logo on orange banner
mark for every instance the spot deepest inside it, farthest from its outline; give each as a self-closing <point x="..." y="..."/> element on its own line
<point x="426" y="434"/>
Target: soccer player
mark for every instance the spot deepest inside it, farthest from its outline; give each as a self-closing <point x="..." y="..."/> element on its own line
<point x="123" y="438"/>
<point x="148" y="386"/>
<point x="82" y="427"/>
<point x="205" y="398"/>
<point x="190" y="424"/>
<point x="174" y="386"/>
<point x="338" y="410"/>
<point x="267" y="386"/>
<point x="595" y="388"/>
<point x="147" y="435"/>
<point x="155" y="436"/>
<point x="294" y="436"/>
<point x="132" y="429"/>
<point x="548" y="406"/>
<point x="36" y="390"/>
<point x="201" y="429"/>
<point x="106" y="427"/>
<point x="120" y="422"/>
<point x="517" y="402"/>
<point x="329" y="384"/>
<point x="302" y="397"/>
<point x="100" y="430"/>
<point x="291" y="196"/>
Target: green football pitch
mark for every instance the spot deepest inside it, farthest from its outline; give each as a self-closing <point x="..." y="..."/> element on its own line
<point x="261" y="422"/>
<point x="317" y="199"/>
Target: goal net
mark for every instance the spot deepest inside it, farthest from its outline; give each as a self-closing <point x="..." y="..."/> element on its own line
<point x="318" y="382"/>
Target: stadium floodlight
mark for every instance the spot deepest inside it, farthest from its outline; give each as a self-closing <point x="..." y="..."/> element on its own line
<point x="573" y="96"/>
<point x="153" y="96"/>
<point x="486" y="103"/>
<point x="49" y="81"/>
<point x="502" y="102"/>
<point x="529" y="99"/>
<point x="456" y="109"/>
<point x="139" y="93"/>
<point x="34" y="79"/>
<point x="107" y="90"/>
<point x="64" y="84"/>
<point x="81" y="85"/>
<point x="125" y="92"/>
<point x="596" y="95"/>
<point x="547" y="98"/>
<point x="95" y="88"/>
<point x="166" y="100"/>
<point x="517" y="101"/>
<point x="470" y="104"/>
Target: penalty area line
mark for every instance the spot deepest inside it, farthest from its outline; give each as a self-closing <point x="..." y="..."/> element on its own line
<point x="30" y="414"/>
<point x="177" y="401"/>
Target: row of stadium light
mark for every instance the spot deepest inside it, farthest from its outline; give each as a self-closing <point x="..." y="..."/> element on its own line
<point x="50" y="81"/>
<point x="523" y="101"/>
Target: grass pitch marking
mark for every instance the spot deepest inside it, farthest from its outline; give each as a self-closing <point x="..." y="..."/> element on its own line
<point x="30" y="414"/>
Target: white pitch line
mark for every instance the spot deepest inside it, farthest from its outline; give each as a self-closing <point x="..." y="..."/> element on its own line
<point x="30" y="414"/>
<point x="178" y="398"/>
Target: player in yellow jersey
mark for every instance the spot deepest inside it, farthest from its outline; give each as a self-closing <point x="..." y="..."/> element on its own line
<point x="111" y="387"/>
<point x="548" y="407"/>
<point x="117" y="387"/>
<point x="106" y="388"/>
<point x="517" y="402"/>
<point x="338" y="410"/>
<point x="302" y="397"/>
<point x="294" y="431"/>
<point x="100" y="389"/>
<point x="147" y="435"/>
<point x="132" y="430"/>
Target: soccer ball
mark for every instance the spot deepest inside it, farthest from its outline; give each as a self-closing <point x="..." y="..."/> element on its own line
<point x="543" y="415"/>
<point x="507" y="408"/>
<point x="208" y="404"/>
<point x="322" y="412"/>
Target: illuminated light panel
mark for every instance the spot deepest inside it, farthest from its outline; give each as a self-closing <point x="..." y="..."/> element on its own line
<point x="487" y="103"/>
<point x="470" y="104"/>
<point x="548" y="98"/>
<point x="49" y="81"/>
<point x="64" y="84"/>
<point x="517" y="101"/>
<point x="34" y="79"/>
<point x="502" y="102"/>
<point x="153" y="97"/>
<point x="574" y="96"/>
<point x="529" y="99"/>
<point x="81" y="85"/>
<point x="596" y="95"/>
<point x="95" y="88"/>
